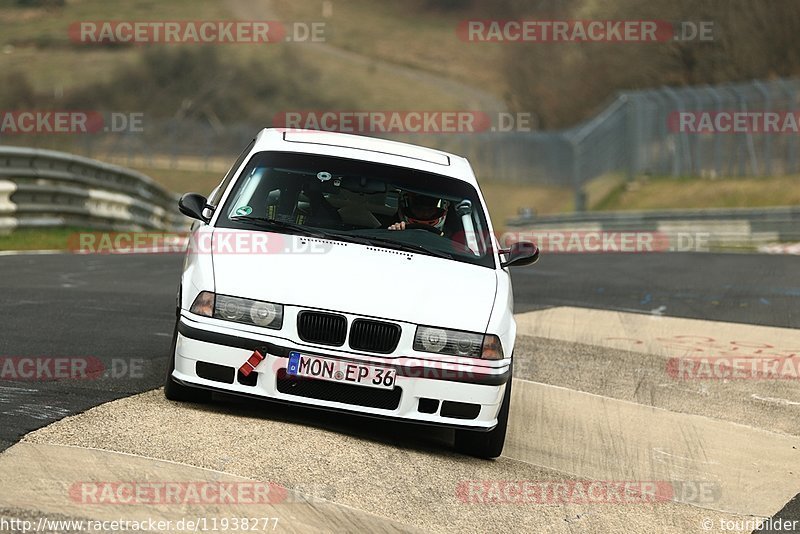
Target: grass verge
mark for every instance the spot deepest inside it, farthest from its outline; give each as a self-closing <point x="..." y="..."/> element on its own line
<point x="39" y="238"/>
<point x="691" y="192"/>
<point x="185" y="181"/>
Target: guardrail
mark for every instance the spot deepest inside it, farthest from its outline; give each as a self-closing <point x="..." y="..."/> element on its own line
<point x="45" y="188"/>
<point x="722" y="228"/>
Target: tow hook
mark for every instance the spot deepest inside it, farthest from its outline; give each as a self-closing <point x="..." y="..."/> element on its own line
<point x="251" y="363"/>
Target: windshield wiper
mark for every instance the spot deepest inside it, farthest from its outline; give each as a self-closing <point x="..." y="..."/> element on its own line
<point x="409" y="247"/>
<point x="323" y="234"/>
<point x="305" y="230"/>
<point x="388" y="243"/>
<point x="280" y="225"/>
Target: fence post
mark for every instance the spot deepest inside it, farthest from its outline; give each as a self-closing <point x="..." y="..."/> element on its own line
<point x="634" y="131"/>
<point x="717" y="139"/>
<point x="580" y="194"/>
<point x="696" y="149"/>
<point x="662" y="163"/>
<point x="748" y="136"/>
<point x="678" y="148"/>
<point x="791" y="144"/>
<point x="766" y="135"/>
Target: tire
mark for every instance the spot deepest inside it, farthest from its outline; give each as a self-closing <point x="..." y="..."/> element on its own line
<point x="486" y="445"/>
<point x="178" y="392"/>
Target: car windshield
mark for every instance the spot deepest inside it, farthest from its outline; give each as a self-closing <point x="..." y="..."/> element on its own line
<point x="356" y="200"/>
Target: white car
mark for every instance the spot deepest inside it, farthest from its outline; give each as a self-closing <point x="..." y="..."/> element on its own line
<point x="352" y="274"/>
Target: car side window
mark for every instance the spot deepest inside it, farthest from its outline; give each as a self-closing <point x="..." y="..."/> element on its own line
<point x="216" y="195"/>
<point x="246" y="197"/>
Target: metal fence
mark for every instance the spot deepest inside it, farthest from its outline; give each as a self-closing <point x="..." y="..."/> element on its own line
<point x="636" y="134"/>
<point x="642" y="133"/>
<point x="44" y="188"/>
<point x="704" y="230"/>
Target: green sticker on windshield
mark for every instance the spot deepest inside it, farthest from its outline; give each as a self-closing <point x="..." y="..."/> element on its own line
<point x="244" y="210"/>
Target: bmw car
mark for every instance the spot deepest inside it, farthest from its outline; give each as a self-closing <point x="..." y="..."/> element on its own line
<point x="351" y="274"/>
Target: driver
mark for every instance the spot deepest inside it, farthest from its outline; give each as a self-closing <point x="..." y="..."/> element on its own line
<point x="416" y="209"/>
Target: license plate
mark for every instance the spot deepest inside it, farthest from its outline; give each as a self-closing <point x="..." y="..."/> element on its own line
<point x="338" y="371"/>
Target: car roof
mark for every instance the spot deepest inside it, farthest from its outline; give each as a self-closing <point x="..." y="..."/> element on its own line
<point x="364" y="148"/>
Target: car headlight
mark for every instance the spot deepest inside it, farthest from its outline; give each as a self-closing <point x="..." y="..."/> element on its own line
<point x="457" y="343"/>
<point x="255" y="312"/>
<point x="240" y="310"/>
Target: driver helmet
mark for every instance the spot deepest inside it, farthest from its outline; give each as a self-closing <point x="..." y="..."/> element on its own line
<point x="423" y="209"/>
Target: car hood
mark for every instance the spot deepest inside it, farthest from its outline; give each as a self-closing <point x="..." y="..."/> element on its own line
<point x="361" y="280"/>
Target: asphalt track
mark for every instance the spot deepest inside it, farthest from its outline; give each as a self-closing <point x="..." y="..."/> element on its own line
<point x="741" y="288"/>
<point x="112" y="308"/>
<point x="119" y="309"/>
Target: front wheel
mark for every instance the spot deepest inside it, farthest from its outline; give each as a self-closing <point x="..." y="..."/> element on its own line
<point x="486" y="444"/>
<point x="178" y="392"/>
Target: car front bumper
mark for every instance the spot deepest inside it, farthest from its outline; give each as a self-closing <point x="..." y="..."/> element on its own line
<point x="464" y="397"/>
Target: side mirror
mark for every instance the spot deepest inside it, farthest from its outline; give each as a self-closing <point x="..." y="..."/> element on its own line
<point x="192" y="205"/>
<point x="521" y="253"/>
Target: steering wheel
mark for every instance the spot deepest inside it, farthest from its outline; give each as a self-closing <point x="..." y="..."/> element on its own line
<point x="423" y="226"/>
